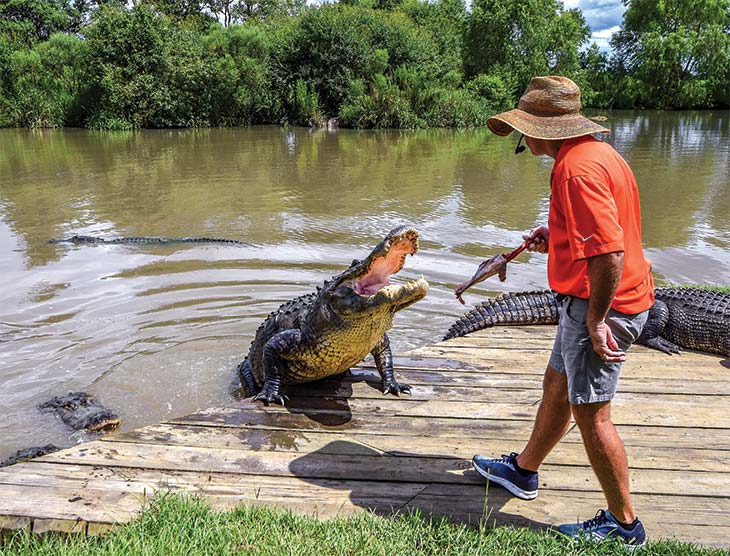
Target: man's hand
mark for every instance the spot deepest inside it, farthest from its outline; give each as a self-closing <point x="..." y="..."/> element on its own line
<point x="538" y="239"/>
<point x="604" y="344"/>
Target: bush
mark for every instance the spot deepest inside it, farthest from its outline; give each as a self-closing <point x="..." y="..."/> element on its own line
<point x="44" y="84"/>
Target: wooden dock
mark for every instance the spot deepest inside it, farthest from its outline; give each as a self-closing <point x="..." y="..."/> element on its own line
<point x="341" y="446"/>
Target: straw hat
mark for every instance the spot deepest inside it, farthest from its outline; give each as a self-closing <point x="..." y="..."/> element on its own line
<point x="549" y="109"/>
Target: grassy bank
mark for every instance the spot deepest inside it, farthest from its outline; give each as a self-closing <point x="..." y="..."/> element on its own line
<point x="175" y="525"/>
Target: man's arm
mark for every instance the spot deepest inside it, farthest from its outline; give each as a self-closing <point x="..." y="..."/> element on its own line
<point x="604" y="274"/>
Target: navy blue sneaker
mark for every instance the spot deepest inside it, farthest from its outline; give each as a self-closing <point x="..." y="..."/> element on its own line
<point x="503" y="471"/>
<point x="605" y="526"/>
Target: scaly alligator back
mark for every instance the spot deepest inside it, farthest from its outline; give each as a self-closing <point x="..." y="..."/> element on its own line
<point x="692" y="318"/>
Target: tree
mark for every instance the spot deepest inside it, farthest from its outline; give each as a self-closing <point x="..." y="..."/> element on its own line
<point x="34" y="20"/>
<point x="677" y="50"/>
<point x="223" y="10"/>
<point x="239" y="11"/>
<point x="518" y="40"/>
<point x="178" y="8"/>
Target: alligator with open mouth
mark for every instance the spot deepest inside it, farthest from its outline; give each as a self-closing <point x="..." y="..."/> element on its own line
<point x="689" y="318"/>
<point x="326" y="332"/>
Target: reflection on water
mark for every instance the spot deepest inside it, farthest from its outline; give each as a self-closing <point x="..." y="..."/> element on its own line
<point x="156" y="331"/>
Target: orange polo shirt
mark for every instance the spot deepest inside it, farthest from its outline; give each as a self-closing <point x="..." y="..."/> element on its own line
<point x="594" y="209"/>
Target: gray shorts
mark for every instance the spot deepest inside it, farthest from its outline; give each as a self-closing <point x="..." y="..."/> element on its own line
<point x="590" y="378"/>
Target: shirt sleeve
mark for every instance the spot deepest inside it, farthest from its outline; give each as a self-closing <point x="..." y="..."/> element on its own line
<point x="591" y="217"/>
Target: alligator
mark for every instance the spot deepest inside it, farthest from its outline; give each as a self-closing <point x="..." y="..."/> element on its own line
<point x="140" y="240"/>
<point x="689" y="318"/>
<point x="27" y="454"/>
<point x="79" y="410"/>
<point x="326" y="332"/>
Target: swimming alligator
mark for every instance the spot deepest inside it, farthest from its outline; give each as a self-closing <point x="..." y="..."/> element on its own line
<point x="690" y="318"/>
<point x="27" y="454"/>
<point x="326" y="332"/>
<point x="140" y="240"/>
<point x="79" y="410"/>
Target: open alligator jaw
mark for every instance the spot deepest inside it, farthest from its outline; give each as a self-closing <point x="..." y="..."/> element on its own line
<point x="382" y="268"/>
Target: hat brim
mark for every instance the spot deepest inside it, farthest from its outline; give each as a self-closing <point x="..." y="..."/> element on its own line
<point x="566" y="126"/>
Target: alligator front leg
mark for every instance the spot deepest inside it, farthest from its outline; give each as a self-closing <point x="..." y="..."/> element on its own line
<point x="247" y="380"/>
<point x="384" y="361"/>
<point x="274" y="364"/>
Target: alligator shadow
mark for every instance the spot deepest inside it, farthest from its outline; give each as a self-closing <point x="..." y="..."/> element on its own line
<point x="326" y="401"/>
<point x="433" y="486"/>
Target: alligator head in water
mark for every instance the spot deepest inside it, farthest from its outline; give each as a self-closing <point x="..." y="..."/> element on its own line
<point x="79" y="410"/>
<point x="327" y="332"/>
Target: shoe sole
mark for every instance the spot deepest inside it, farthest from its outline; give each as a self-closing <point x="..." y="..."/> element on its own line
<point x="504" y="483"/>
<point x="597" y="540"/>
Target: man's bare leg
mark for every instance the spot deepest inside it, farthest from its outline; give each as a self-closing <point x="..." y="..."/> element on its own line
<point x="607" y="456"/>
<point x="551" y="422"/>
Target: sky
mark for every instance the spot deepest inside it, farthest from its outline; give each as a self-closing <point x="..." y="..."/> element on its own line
<point x="604" y="17"/>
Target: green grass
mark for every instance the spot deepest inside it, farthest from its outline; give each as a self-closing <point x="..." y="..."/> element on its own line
<point x="174" y="525"/>
<point x="724" y="289"/>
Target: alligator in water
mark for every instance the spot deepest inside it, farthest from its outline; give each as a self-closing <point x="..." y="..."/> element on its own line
<point x="690" y="318"/>
<point x="138" y="240"/>
<point x="326" y="332"/>
<point x="79" y="410"/>
<point x="27" y="454"/>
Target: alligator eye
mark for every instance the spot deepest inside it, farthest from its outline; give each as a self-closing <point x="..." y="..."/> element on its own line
<point x="354" y="262"/>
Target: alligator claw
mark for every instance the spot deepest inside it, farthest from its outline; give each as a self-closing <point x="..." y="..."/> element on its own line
<point x="663" y="345"/>
<point x="396" y="388"/>
<point x="269" y="396"/>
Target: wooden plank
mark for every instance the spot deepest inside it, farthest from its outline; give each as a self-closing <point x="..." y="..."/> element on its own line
<point x="663" y="516"/>
<point x="373" y="467"/>
<point x="68" y="503"/>
<point x="566" y="453"/>
<point x="144" y="482"/>
<point x="76" y="526"/>
<point x="440" y="427"/>
<point x="455" y="498"/>
<point x="628" y="409"/>
<point x="99" y="529"/>
<point x="340" y="446"/>
<point x="650" y="363"/>
<point x="13" y="523"/>
<point x="631" y="381"/>
<point x="365" y="390"/>
<point x="555" y="506"/>
<point x="457" y="387"/>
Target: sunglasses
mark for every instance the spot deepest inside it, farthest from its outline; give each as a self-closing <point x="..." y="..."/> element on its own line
<point x="520" y="147"/>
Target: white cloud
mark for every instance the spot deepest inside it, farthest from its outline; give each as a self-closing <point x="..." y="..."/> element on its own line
<point x="604" y="17"/>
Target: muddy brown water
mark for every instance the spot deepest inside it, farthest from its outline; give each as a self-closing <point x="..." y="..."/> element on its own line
<point x="156" y="331"/>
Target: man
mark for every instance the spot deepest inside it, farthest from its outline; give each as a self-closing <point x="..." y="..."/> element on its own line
<point x="596" y="264"/>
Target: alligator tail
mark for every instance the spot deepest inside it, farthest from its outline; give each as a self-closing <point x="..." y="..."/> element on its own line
<point x="536" y="307"/>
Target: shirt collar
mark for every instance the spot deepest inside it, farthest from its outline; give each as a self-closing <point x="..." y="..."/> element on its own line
<point x="570" y="143"/>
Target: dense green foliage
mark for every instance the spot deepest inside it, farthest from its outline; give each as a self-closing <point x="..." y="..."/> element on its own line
<point x="108" y="64"/>
<point x="174" y="525"/>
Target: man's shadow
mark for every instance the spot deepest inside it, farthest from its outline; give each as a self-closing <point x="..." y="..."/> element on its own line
<point x="397" y="482"/>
